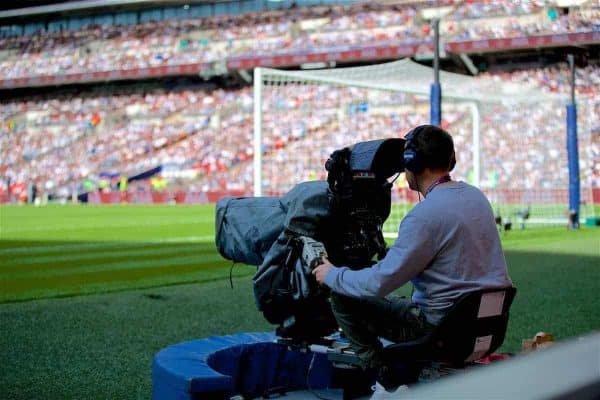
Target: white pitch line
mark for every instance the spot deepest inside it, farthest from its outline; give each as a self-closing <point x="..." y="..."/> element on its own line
<point x="12" y="229"/>
<point x="50" y="248"/>
<point x="117" y="266"/>
<point x="100" y="254"/>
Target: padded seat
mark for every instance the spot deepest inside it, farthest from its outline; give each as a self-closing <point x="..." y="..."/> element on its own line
<point x="473" y="328"/>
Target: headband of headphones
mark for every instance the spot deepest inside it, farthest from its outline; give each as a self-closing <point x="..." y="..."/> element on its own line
<point x="415" y="158"/>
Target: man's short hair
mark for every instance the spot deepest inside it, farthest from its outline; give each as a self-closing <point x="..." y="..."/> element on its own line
<point x="435" y="145"/>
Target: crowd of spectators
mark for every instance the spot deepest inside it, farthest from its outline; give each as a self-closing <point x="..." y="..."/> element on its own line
<point x="494" y="8"/>
<point x="541" y="22"/>
<point x="527" y="149"/>
<point x="521" y="148"/>
<point x="215" y="39"/>
<point x="67" y="144"/>
<point x="127" y="134"/>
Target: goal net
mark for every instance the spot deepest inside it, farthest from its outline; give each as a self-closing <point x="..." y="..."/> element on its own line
<point x="512" y="148"/>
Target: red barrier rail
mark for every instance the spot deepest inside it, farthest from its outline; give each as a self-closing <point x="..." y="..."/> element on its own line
<point x="339" y="54"/>
<point x="515" y="196"/>
<point x="179" y="197"/>
<point x="100" y="76"/>
<point x="522" y="42"/>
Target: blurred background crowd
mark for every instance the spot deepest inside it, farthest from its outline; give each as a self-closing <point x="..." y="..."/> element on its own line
<point x="197" y="40"/>
<point x="200" y="135"/>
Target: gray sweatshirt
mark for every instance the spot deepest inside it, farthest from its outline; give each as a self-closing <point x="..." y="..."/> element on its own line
<point x="447" y="245"/>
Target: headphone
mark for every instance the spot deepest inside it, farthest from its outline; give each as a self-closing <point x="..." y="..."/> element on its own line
<point x="415" y="159"/>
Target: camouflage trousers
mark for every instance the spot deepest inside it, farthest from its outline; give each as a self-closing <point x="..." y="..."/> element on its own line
<point x="365" y="320"/>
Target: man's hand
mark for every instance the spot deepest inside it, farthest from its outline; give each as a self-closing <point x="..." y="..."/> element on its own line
<point x="321" y="271"/>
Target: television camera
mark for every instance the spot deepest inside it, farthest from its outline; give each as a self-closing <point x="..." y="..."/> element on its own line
<point x="286" y="237"/>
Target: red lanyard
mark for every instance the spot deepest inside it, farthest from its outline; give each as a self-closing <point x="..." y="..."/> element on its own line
<point x="443" y="179"/>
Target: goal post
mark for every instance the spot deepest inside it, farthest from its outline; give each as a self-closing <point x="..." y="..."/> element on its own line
<point x="510" y="138"/>
<point x="257" y="135"/>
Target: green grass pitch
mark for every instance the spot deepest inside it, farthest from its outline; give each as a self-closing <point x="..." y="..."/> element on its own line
<point x="66" y="250"/>
<point x="153" y="278"/>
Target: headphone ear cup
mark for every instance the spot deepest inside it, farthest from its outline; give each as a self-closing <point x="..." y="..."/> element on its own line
<point x="412" y="161"/>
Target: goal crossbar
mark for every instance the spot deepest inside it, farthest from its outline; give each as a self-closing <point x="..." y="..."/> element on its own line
<point x="410" y="77"/>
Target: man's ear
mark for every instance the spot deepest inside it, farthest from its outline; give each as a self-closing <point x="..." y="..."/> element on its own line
<point x="452" y="161"/>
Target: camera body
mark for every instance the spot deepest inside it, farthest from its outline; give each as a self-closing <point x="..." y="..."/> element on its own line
<point x="360" y="200"/>
<point x="359" y="197"/>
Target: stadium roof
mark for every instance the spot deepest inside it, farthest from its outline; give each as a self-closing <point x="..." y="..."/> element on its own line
<point x="31" y="8"/>
<point x="408" y="76"/>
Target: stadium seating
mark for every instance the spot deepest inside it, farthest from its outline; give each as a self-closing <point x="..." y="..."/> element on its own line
<point x="193" y="41"/>
<point x="60" y="142"/>
<point x="202" y="139"/>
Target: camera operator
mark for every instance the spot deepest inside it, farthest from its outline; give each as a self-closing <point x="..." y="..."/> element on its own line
<point x="447" y="245"/>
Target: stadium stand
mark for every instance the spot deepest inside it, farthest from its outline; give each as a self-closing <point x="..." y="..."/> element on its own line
<point x="59" y="142"/>
<point x="201" y="135"/>
<point x="168" y="43"/>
